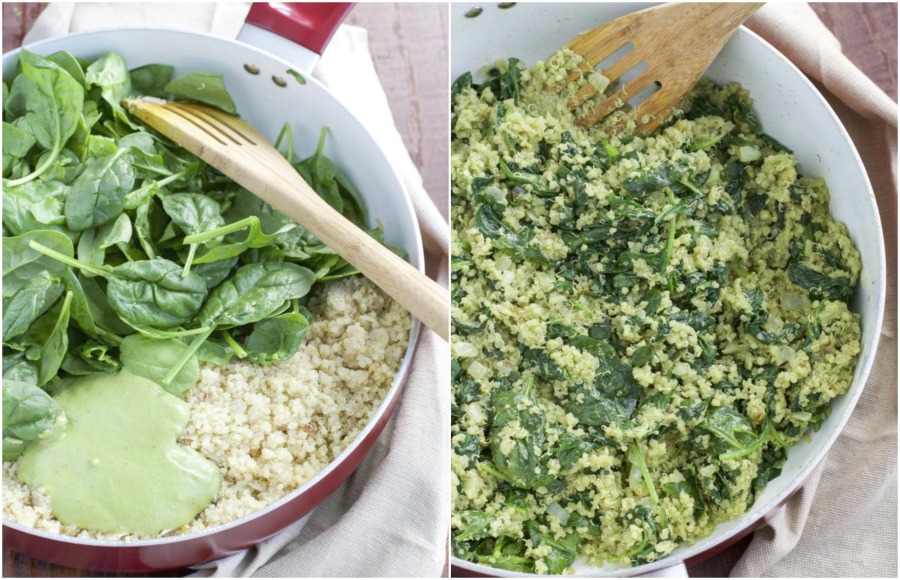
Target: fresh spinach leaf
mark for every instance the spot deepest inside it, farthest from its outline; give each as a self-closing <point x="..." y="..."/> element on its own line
<point x="31" y="300"/>
<point x="91" y="311"/>
<point x="110" y="74"/>
<point x="254" y="292"/>
<point x="22" y="263"/>
<point x="35" y="205"/>
<point x="321" y="174"/>
<point x="47" y="340"/>
<point x="151" y="80"/>
<point x="28" y="412"/>
<point x="18" y="368"/>
<point x="276" y="338"/>
<point x="153" y="359"/>
<point x="70" y="64"/>
<point x="17" y="142"/>
<point x="90" y="358"/>
<point x="193" y="213"/>
<point x="51" y="101"/>
<point x="203" y="87"/>
<point x="153" y="293"/>
<point x="98" y="194"/>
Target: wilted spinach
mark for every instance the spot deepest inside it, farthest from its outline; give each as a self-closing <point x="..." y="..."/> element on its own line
<point x="614" y="394"/>
<point x="819" y="285"/>
<point x="517" y="436"/>
<point x="561" y="552"/>
<point x="662" y="305"/>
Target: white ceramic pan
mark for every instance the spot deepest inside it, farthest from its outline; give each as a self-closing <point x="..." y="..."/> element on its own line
<point x="267" y="96"/>
<point x="792" y="111"/>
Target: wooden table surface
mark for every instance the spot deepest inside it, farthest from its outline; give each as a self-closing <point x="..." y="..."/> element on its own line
<point x="409" y="43"/>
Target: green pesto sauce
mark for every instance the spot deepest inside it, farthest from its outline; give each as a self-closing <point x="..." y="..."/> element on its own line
<point x="115" y="465"/>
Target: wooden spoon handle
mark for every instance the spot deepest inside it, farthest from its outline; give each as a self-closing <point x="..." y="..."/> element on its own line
<point x="422" y="296"/>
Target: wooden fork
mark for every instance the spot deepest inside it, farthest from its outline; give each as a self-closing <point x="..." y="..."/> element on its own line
<point x="232" y="146"/>
<point x="677" y="41"/>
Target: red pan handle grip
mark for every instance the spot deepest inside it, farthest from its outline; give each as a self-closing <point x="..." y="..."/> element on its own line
<point x="309" y="24"/>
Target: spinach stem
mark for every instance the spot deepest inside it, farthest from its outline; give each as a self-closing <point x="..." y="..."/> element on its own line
<point x="154" y="333"/>
<point x="704" y="145"/>
<point x="644" y="541"/>
<point x="152" y="169"/>
<point x="286" y="132"/>
<point x="48" y="161"/>
<point x="189" y="261"/>
<point x="137" y="194"/>
<point x="68" y="261"/>
<point x="777" y="438"/>
<point x="321" y="146"/>
<point x="124" y="249"/>
<point x="750" y="448"/>
<point x="186" y="355"/>
<point x="488" y="468"/>
<point x="235" y="345"/>
<point x="529" y="386"/>
<point x="167" y="180"/>
<point x="670" y="241"/>
<point x="690" y="186"/>
<point x="611" y="151"/>
<point x="638" y="457"/>
<point x="580" y="306"/>
<point x="222" y="231"/>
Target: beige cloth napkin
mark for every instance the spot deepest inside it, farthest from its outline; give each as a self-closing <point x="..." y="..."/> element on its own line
<point x="843" y="522"/>
<point x="390" y="519"/>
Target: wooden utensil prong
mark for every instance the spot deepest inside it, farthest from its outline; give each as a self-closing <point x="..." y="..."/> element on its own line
<point x="678" y="41"/>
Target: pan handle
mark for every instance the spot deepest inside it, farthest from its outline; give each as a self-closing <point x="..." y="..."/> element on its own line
<point x="309" y="24"/>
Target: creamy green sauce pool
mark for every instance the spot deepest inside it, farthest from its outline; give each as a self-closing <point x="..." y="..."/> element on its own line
<point x="115" y="465"/>
<point x="641" y="325"/>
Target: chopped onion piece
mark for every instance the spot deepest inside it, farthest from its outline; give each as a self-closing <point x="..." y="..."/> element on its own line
<point x="556" y="510"/>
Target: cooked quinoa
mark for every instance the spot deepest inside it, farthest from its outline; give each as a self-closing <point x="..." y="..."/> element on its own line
<point x="641" y="324"/>
<point x="272" y="428"/>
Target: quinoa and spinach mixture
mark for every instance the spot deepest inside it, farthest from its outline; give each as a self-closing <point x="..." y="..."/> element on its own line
<point x="641" y="324"/>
